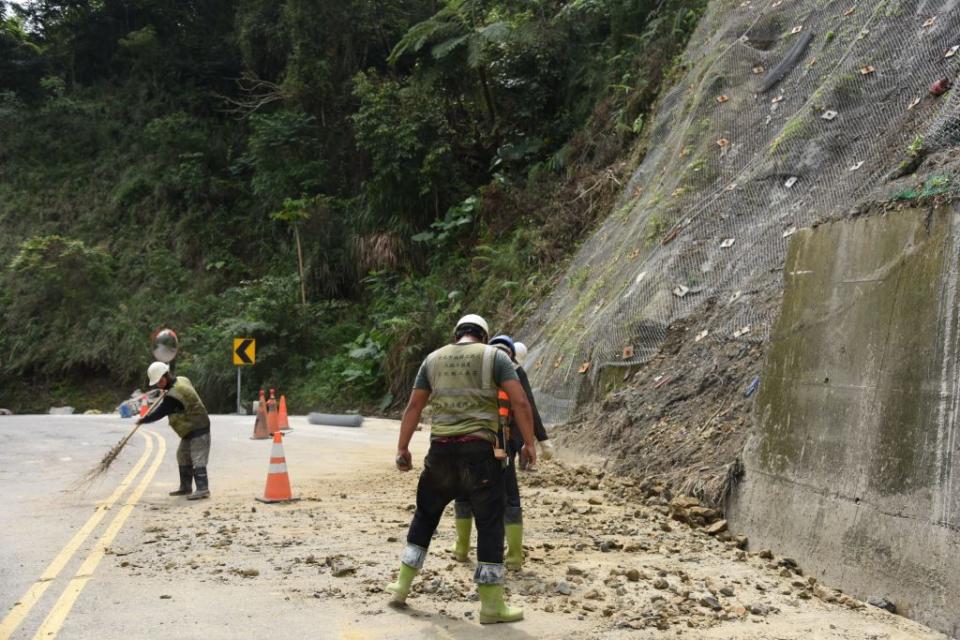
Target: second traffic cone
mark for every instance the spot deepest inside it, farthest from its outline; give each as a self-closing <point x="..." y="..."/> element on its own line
<point x="260" y="430"/>
<point x="278" y="482"/>
<point x="272" y="413"/>
<point x="283" y="421"/>
<point x="143" y="406"/>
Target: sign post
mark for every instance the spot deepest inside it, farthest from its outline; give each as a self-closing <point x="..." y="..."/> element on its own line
<point x="244" y="354"/>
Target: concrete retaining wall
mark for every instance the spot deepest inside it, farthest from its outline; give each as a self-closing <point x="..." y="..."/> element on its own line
<point x="853" y="466"/>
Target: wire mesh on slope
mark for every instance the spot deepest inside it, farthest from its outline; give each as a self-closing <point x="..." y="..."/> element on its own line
<point x="789" y="111"/>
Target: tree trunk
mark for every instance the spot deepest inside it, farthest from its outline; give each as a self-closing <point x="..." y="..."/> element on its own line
<point x="303" y="288"/>
<point x="487" y="96"/>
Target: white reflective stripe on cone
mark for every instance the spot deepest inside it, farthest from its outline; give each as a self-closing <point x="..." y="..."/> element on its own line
<point x="277" y="451"/>
<point x="278" y="468"/>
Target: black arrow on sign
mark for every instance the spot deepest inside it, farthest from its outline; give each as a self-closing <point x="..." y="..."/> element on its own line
<point x="241" y="351"/>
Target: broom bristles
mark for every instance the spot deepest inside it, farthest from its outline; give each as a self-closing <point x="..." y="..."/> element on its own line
<point x="114" y="452"/>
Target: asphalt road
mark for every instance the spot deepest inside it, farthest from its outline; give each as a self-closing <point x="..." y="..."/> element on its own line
<point x="56" y="530"/>
<point x="119" y="559"/>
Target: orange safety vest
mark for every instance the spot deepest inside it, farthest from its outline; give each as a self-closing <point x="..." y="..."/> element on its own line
<point x="503" y="404"/>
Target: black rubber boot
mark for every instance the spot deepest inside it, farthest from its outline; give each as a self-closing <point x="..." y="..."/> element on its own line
<point x="203" y="490"/>
<point x="186" y="478"/>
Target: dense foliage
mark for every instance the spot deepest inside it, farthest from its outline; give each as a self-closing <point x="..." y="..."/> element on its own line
<point x="339" y="179"/>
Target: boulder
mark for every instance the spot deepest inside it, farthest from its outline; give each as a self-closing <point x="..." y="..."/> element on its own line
<point x="882" y="603"/>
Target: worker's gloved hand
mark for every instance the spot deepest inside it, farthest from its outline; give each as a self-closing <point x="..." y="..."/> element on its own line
<point x="139" y="421"/>
<point x="404" y="460"/>
<point x="546" y="449"/>
<point x="528" y="457"/>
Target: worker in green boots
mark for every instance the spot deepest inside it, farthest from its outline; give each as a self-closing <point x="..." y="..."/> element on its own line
<point x="513" y="512"/>
<point x="188" y="417"/>
<point x="460" y="381"/>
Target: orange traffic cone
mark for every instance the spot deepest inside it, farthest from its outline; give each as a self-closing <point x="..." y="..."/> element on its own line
<point x="283" y="421"/>
<point x="260" y="431"/>
<point x="143" y="406"/>
<point x="272" y="416"/>
<point x="278" y="482"/>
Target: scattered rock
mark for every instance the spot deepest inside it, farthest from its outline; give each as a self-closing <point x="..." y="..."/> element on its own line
<point x="710" y="602"/>
<point x="633" y="575"/>
<point x="610" y="545"/>
<point x="340" y="565"/>
<point x="702" y="515"/>
<point x="882" y="603"/>
<point x="766" y="554"/>
<point x="684" y="502"/>
<point x="727" y="591"/>
<point x="595" y="500"/>
<point x="824" y="594"/>
<point x="166" y="597"/>
<point x="661" y="583"/>
<point x="563" y="588"/>
<point x="717" y="527"/>
<point x="761" y="609"/>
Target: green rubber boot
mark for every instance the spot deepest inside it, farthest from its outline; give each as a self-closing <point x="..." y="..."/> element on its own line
<point x="492" y="607"/>
<point x="462" y="548"/>
<point x="514" y="557"/>
<point x="400" y="589"/>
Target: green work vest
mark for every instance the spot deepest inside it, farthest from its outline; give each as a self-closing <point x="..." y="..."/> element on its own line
<point x="194" y="415"/>
<point x="463" y="393"/>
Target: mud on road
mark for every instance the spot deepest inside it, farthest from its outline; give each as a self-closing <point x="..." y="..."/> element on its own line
<point x="604" y="559"/>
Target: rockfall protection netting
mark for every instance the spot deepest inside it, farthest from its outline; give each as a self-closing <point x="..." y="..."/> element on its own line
<point x="790" y="110"/>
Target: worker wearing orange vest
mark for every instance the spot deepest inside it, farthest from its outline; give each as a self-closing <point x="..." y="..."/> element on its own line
<point x="513" y="514"/>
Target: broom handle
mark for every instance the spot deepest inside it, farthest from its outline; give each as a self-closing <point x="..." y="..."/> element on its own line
<point x="154" y="405"/>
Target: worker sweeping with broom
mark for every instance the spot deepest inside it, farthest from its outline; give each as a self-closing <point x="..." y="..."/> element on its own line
<point x="188" y="417"/>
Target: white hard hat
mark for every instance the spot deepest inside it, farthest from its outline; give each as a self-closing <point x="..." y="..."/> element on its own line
<point x="156" y="371"/>
<point x="521" y="352"/>
<point x="473" y="319"/>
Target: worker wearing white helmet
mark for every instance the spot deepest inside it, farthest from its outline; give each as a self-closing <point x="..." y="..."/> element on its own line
<point x="513" y="512"/>
<point x="521" y="353"/>
<point x="460" y="382"/>
<point x="188" y="417"/>
<point x="546" y="447"/>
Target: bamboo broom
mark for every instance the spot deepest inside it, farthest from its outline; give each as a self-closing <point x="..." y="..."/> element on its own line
<point x="111" y="455"/>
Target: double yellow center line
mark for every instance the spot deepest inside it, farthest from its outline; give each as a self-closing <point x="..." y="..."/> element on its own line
<point x="58" y="613"/>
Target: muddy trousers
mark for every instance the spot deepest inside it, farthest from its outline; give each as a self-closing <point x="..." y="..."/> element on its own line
<point x="465" y="470"/>
<point x="513" y="512"/>
<point x="192" y="455"/>
<point x="194" y="451"/>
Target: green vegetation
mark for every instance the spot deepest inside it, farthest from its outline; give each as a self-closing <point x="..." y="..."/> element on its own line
<point x="936" y="185"/>
<point x="795" y="128"/>
<point x="915" y="148"/>
<point x="338" y="179"/>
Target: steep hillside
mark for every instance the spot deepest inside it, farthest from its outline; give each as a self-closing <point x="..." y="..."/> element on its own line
<point x="791" y="113"/>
